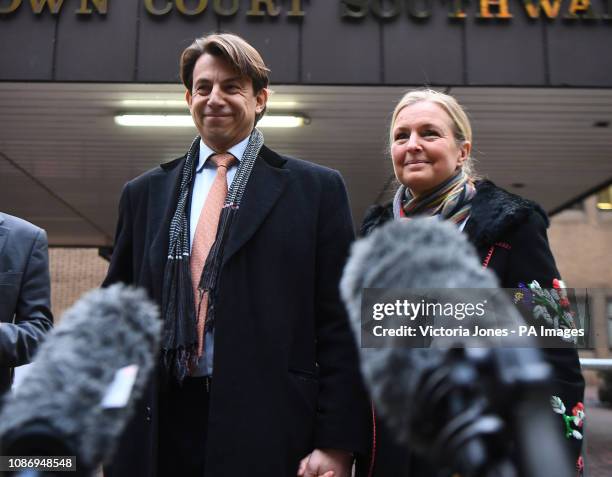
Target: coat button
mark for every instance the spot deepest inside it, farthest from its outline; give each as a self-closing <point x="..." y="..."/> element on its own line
<point x="148" y="413"/>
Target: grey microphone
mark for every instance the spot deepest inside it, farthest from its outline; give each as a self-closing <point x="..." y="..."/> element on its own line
<point x="427" y="253"/>
<point x="80" y="391"/>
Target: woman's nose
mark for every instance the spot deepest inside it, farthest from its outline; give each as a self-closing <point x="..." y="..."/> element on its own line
<point x="413" y="143"/>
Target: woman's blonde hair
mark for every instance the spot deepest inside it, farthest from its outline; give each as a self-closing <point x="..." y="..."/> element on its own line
<point x="462" y="128"/>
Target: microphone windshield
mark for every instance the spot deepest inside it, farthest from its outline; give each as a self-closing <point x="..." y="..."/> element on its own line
<point x="81" y="388"/>
<point x="423" y="257"/>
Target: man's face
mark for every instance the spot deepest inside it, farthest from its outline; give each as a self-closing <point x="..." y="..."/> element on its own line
<point x="222" y="103"/>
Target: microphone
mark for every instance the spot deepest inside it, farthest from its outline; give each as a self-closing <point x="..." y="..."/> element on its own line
<point x="80" y="391"/>
<point x="463" y="408"/>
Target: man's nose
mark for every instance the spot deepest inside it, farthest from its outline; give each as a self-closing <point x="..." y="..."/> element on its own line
<point x="216" y="96"/>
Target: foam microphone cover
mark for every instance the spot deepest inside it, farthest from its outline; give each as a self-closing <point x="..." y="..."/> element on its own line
<point x="418" y="253"/>
<point x="58" y="406"/>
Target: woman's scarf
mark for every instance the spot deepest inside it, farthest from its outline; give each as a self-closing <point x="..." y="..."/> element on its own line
<point x="451" y="200"/>
<point x="179" y="340"/>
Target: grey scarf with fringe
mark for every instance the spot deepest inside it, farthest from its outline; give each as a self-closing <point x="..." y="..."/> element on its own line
<point x="179" y="340"/>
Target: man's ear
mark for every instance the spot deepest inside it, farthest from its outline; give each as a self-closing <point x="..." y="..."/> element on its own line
<point x="262" y="99"/>
<point x="188" y="97"/>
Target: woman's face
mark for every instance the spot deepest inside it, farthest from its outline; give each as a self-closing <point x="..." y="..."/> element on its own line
<point x="424" y="150"/>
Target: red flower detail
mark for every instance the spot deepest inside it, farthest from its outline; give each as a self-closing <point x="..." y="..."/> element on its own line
<point x="564" y="302"/>
<point x="578" y="411"/>
<point x="580" y="464"/>
<point x="556" y="284"/>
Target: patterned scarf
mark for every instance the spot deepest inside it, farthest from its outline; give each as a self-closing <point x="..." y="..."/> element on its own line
<point x="179" y="340"/>
<point x="451" y="200"/>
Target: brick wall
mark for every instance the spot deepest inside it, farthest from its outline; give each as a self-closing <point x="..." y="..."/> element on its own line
<point x="73" y="272"/>
<point x="581" y="242"/>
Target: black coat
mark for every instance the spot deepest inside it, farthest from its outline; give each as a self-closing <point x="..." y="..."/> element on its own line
<point x="25" y="294"/>
<point x="509" y="234"/>
<point x="286" y="378"/>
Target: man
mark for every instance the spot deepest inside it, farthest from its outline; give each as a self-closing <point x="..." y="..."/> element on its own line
<point x="259" y="368"/>
<point x="25" y="310"/>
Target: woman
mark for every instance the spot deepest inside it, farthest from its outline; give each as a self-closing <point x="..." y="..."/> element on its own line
<point x="430" y="143"/>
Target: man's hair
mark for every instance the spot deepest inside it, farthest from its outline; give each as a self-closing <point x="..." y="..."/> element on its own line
<point x="239" y="54"/>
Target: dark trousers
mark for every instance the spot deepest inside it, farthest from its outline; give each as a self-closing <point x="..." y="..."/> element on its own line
<point x="183" y="419"/>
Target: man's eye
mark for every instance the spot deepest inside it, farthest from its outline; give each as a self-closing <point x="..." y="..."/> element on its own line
<point x="201" y="91"/>
<point x="232" y="87"/>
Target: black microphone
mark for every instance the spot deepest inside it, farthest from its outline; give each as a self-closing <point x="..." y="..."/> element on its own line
<point x="463" y="408"/>
<point x="83" y="383"/>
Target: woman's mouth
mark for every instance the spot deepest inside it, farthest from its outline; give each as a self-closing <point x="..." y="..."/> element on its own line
<point x="413" y="162"/>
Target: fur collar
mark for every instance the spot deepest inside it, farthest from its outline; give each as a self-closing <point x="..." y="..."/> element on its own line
<point x="495" y="213"/>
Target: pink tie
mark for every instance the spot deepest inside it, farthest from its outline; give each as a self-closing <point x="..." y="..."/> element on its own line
<point x="205" y="234"/>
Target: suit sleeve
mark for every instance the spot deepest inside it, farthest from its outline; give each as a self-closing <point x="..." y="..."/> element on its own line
<point x="342" y="415"/>
<point x="33" y="317"/>
<point x="120" y="268"/>
<point x="531" y="259"/>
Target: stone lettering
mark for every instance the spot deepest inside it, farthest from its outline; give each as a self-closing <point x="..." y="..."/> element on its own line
<point x="256" y="10"/>
<point x="296" y="9"/>
<point x="15" y="4"/>
<point x="54" y="6"/>
<point x="354" y="8"/>
<point x="457" y="10"/>
<point x="100" y="5"/>
<point x="386" y="13"/>
<point x="581" y="9"/>
<point x="181" y="7"/>
<point x="157" y="11"/>
<point x="226" y="11"/>
<point x="502" y="6"/>
<point x="550" y="10"/>
<point x="416" y="10"/>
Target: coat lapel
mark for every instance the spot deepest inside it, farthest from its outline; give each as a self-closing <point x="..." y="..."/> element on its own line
<point x="266" y="185"/>
<point x="163" y="196"/>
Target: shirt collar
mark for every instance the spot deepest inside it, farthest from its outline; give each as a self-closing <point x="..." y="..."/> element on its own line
<point x="237" y="151"/>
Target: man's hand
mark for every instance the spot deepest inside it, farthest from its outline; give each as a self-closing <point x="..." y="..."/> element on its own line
<point x="326" y="463"/>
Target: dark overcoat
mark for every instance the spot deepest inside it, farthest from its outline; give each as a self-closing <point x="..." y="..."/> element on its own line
<point x="509" y="234"/>
<point x="25" y="294"/>
<point x="286" y="377"/>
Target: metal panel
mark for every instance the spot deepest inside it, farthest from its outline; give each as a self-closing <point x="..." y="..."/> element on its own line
<point x="427" y="52"/>
<point x="97" y="47"/>
<point x="580" y="53"/>
<point x="341" y="52"/>
<point x="27" y="45"/>
<point x="505" y="53"/>
<point x="276" y="39"/>
<point x="162" y="39"/>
